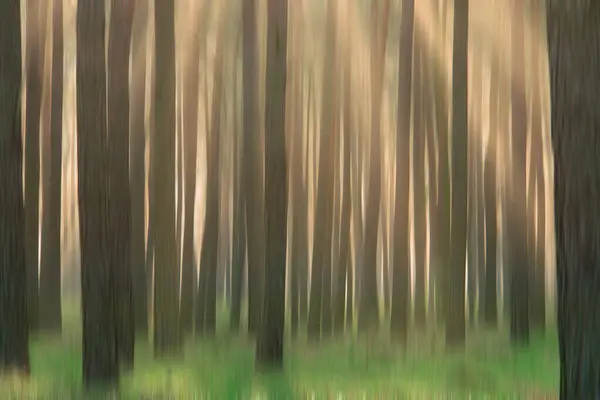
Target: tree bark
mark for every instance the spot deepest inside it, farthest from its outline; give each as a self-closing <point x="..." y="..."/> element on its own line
<point x="100" y="358"/>
<point x="574" y="40"/>
<point x="269" y="350"/>
<point x="455" y="315"/>
<point x="519" y="275"/>
<point x="252" y="163"/>
<point x="137" y="150"/>
<point x="490" y="298"/>
<point x="401" y="275"/>
<point x="34" y="69"/>
<point x="190" y="139"/>
<point x="50" y="316"/>
<point x="206" y="304"/>
<point x="14" y="333"/>
<point x="166" y="273"/>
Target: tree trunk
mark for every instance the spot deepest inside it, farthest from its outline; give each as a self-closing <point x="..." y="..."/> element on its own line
<point x="190" y="140"/>
<point x="320" y="287"/>
<point x="50" y="317"/>
<point x="252" y="163"/>
<point x="166" y="273"/>
<point x="369" y="309"/>
<point x="573" y="41"/>
<point x="100" y="358"/>
<point x="490" y="302"/>
<point x="269" y="350"/>
<point x="14" y="334"/>
<point x="401" y="274"/>
<point x="536" y="191"/>
<point x="206" y="304"/>
<point x="455" y="316"/>
<point x="518" y="221"/>
<point x="34" y="64"/>
<point x="119" y="39"/>
<point x="137" y="150"/>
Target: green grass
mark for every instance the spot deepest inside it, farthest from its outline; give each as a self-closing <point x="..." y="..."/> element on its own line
<point x="223" y="368"/>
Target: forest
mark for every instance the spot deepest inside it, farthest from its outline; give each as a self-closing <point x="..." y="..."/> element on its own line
<point x="289" y="199"/>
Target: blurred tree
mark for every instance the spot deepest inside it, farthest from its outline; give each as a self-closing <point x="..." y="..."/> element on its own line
<point x="455" y="300"/>
<point x="166" y="273"/>
<point x="206" y="305"/>
<point x="100" y="359"/>
<point x="401" y="274"/>
<point x="269" y="350"/>
<point x="119" y="45"/>
<point x="252" y="164"/>
<point x="14" y="335"/>
<point x="50" y="316"/>
<point x="518" y="221"/>
<point x="35" y="29"/>
<point x="137" y="150"/>
<point x="490" y="302"/>
<point x="319" y="312"/>
<point x="536" y="188"/>
<point x="574" y="41"/>
<point x="368" y="315"/>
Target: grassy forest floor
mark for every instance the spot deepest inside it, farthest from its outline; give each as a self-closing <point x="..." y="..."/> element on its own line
<point x="223" y="368"/>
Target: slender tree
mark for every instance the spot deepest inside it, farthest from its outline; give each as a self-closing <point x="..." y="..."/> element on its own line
<point x="14" y="334"/>
<point x="269" y="350"/>
<point x="166" y="273"/>
<point x="137" y="150"/>
<point x="50" y="317"/>
<point x="369" y="311"/>
<point x="455" y="314"/>
<point x="100" y="359"/>
<point x="401" y="274"/>
<point x="320" y="288"/>
<point x="35" y="25"/>
<point x="518" y="267"/>
<point x="252" y="163"/>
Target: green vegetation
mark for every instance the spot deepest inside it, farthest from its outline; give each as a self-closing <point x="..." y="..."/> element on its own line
<point x="223" y="368"/>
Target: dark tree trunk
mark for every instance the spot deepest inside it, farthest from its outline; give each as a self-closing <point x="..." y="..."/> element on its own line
<point x="401" y="258"/>
<point x="137" y="150"/>
<point x="50" y="317"/>
<point x="518" y="221"/>
<point x="100" y="358"/>
<point x="190" y="139"/>
<point x="14" y="334"/>
<point x="368" y="315"/>
<point x="34" y="68"/>
<point x="418" y="166"/>
<point x="151" y="204"/>
<point x="574" y="40"/>
<point x="119" y="39"/>
<point x="455" y="300"/>
<point x="206" y="302"/>
<point x="252" y="163"/>
<point x="490" y="302"/>
<point x="166" y="273"/>
<point x="536" y="191"/>
<point x="269" y="351"/>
